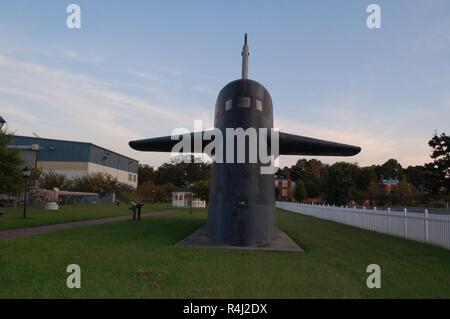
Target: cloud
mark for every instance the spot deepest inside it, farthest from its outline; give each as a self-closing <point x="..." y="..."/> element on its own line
<point x="98" y="60"/>
<point x="60" y="104"/>
<point x="70" y="54"/>
<point x="14" y="114"/>
<point x="157" y="77"/>
<point x="147" y="76"/>
<point x="377" y="144"/>
<point x="201" y="89"/>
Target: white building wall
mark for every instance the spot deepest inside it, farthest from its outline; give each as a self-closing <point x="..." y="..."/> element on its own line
<point x="121" y="175"/>
<point x="69" y="173"/>
<point x="74" y="169"/>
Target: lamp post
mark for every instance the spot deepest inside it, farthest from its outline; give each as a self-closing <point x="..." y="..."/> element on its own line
<point x="190" y="198"/>
<point x="2" y="122"/>
<point x="26" y="173"/>
<point x="190" y="204"/>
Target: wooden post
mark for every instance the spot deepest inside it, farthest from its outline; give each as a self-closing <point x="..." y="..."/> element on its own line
<point x="426" y="225"/>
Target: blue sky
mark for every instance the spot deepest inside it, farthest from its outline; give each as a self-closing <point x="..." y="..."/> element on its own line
<point x="139" y="69"/>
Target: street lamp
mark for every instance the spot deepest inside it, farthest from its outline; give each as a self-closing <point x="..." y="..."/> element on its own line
<point x="26" y="173"/>
<point x="190" y="198"/>
<point x="2" y="122"/>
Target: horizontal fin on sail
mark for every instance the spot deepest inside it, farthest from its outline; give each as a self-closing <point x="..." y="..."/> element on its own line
<point x="166" y="143"/>
<point x="289" y="144"/>
<point x="301" y="145"/>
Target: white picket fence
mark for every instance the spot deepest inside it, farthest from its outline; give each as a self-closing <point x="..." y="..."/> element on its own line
<point x="425" y="227"/>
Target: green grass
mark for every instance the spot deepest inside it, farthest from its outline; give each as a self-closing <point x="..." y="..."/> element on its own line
<point x="12" y="217"/>
<point x="139" y="260"/>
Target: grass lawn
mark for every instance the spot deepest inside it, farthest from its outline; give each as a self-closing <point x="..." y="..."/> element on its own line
<point x="12" y="217"/>
<point x="138" y="260"/>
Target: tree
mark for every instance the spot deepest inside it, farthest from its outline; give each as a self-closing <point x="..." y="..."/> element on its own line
<point x="170" y="173"/>
<point x="433" y="178"/>
<point x="364" y="176"/>
<point x="441" y="157"/>
<point x="163" y="193"/>
<point x="416" y="175"/>
<point x="200" y="189"/>
<point x="50" y="179"/>
<point x="100" y="183"/>
<point x="311" y="172"/>
<point x="392" y="169"/>
<point x="146" y="173"/>
<point x="340" y="183"/>
<point x="300" y="192"/>
<point x="182" y="173"/>
<point x="147" y="191"/>
<point x="10" y="167"/>
<point x="125" y="192"/>
<point x="403" y="193"/>
<point x="377" y="195"/>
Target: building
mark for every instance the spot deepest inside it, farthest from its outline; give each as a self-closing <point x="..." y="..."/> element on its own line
<point x="181" y="198"/>
<point x="284" y="188"/>
<point x="388" y="184"/>
<point x="75" y="158"/>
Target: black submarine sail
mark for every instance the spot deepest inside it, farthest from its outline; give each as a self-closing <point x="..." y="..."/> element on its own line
<point x="241" y="208"/>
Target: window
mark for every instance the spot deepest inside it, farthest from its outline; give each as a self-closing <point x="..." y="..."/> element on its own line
<point x="228" y="105"/>
<point x="134" y="177"/>
<point x="284" y="184"/>
<point x="129" y="177"/>
<point x="259" y="105"/>
<point x="244" y="102"/>
<point x="284" y="192"/>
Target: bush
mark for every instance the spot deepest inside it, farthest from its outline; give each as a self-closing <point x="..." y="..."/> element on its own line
<point x="51" y="179"/>
<point x="100" y="183"/>
<point x="146" y="192"/>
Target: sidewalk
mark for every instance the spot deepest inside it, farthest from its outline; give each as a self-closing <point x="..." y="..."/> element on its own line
<point x="24" y="232"/>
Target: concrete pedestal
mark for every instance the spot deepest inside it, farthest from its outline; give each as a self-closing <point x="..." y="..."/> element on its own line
<point x="281" y="242"/>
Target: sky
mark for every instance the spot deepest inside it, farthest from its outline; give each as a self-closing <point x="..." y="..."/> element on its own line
<point x="140" y="69"/>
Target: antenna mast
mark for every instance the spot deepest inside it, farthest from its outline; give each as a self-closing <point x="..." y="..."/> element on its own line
<point x="245" y="53"/>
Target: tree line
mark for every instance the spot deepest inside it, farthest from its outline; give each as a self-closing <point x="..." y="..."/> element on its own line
<point x="346" y="183"/>
<point x="341" y="183"/>
<point x="158" y="184"/>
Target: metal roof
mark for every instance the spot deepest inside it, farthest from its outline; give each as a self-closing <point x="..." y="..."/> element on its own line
<point x="74" y="151"/>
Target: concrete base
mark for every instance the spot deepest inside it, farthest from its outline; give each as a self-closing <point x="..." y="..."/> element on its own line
<point x="281" y="242"/>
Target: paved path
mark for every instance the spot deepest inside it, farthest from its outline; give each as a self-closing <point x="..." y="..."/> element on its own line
<point x="24" y="232"/>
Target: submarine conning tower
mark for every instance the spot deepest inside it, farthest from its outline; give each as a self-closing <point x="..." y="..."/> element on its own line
<point x="241" y="210"/>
